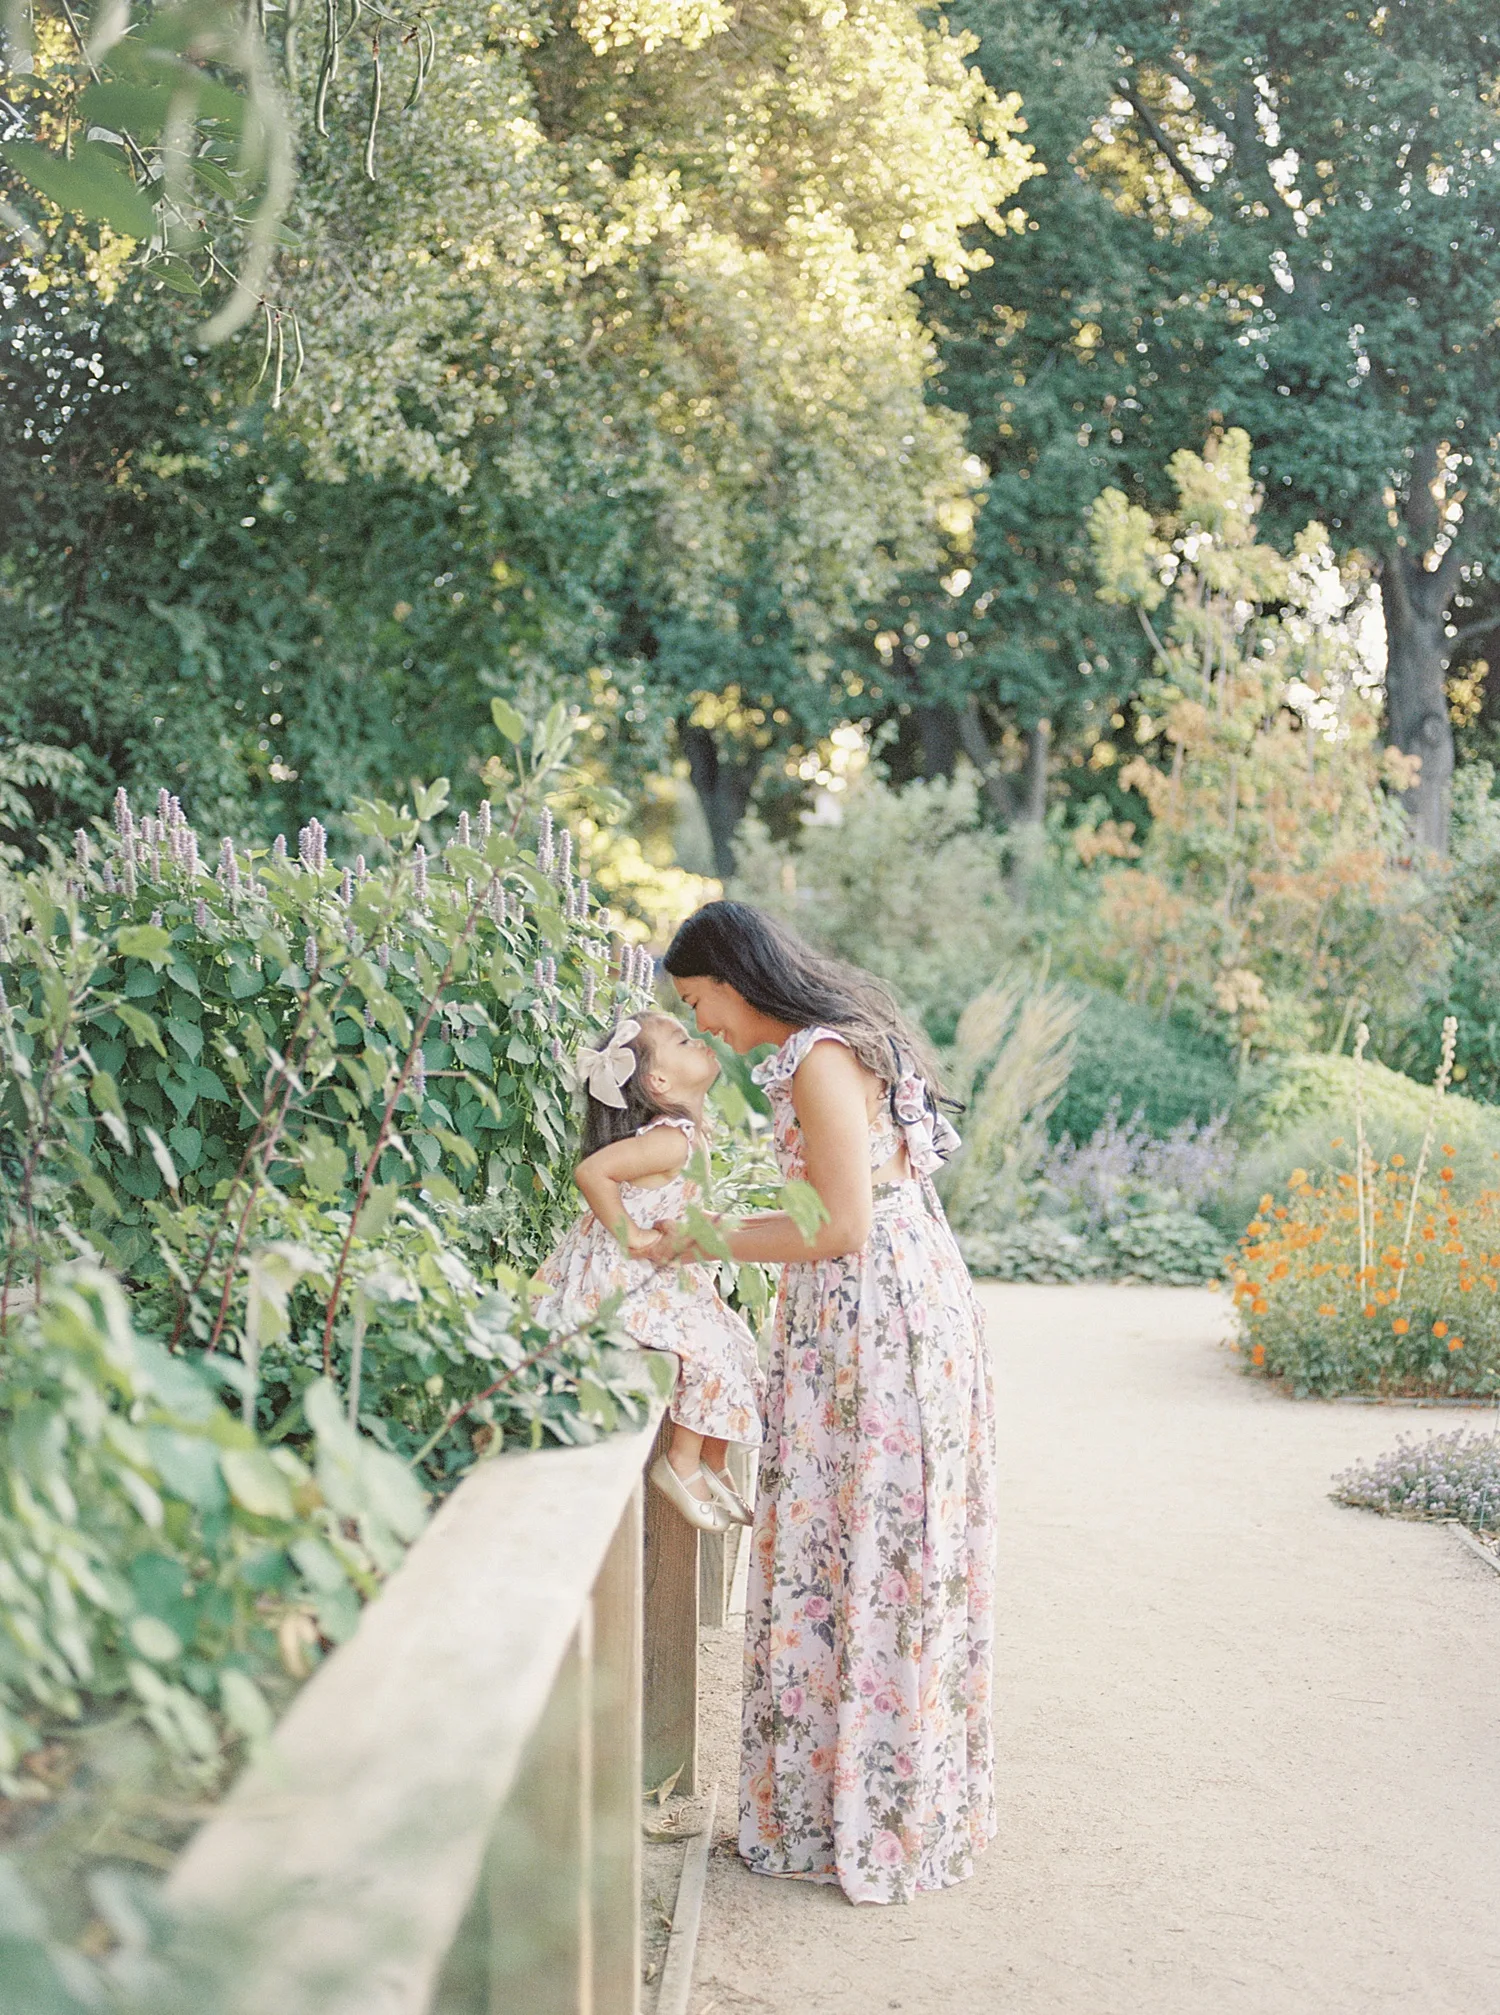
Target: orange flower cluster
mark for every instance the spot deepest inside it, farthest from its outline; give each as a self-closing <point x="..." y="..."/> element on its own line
<point x="1422" y="1314"/>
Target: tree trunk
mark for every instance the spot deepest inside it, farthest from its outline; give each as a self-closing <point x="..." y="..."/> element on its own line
<point x="723" y="790"/>
<point x="1417" y="652"/>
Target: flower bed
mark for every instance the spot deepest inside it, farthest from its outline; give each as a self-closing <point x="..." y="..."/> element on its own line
<point x="1411" y="1306"/>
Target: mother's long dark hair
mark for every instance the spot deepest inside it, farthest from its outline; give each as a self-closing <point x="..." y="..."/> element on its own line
<point x="779" y="975"/>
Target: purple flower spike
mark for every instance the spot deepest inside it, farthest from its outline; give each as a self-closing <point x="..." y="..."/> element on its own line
<point x="129" y="881"/>
<point x="564" y="855"/>
<point x="418" y="1078"/>
<point x="361" y="872"/>
<point x="310" y="957"/>
<point x="484" y="821"/>
<point x="419" y="871"/>
<point x="163" y="808"/>
<point x="190" y="858"/>
<point x="124" y="817"/>
<point x="463" y="829"/>
<point x="278" y="847"/>
<point x="589" y="992"/>
<point x="81" y="847"/>
<point x="383" y="958"/>
<point x="200" y="914"/>
<point x="346" y="888"/>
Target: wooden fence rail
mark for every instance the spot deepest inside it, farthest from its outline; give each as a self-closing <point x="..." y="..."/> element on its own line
<point x="447" y="1820"/>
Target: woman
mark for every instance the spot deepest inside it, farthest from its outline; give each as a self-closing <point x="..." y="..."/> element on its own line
<point x="867" y="1753"/>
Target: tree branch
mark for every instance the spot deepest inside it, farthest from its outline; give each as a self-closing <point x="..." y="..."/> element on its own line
<point x="1162" y="141"/>
<point x="1472" y="630"/>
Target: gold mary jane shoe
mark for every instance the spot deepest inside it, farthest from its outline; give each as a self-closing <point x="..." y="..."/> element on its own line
<point x="704" y="1512"/>
<point x="721" y="1484"/>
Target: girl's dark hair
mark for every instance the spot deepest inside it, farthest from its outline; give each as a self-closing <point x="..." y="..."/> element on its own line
<point x="603" y="1124"/>
<point x="779" y="975"/>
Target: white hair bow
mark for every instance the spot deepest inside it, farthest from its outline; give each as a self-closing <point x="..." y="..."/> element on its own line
<point x="607" y="1071"/>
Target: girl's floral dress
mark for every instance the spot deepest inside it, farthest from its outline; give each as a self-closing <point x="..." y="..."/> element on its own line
<point x="867" y="1755"/>
<point x="678" y="1309"/>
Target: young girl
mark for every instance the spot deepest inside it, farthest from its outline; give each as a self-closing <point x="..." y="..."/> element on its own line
<point x="645" y="1091"/>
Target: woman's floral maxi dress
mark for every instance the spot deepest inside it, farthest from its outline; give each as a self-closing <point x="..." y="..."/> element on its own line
<point x="867" y="1751"/>
<point x="680" y="1309"/>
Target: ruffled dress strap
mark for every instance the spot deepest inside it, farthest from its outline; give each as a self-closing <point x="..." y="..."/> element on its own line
<point x="784" y="1065"/>
<point x="680" y="1120"/>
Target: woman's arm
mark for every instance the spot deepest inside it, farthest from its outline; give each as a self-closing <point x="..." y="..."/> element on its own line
<point x="830" y="1095"/>
<point x="659" y="1151"/>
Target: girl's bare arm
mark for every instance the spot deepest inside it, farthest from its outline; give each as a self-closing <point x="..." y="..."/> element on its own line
<point x="654" y="1155"/>
<point x="830" y="1095"/>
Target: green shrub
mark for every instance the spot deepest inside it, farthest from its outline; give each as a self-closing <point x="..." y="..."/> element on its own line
<point x="152" y="1549"/>
<point x="1298" y="1108"/>
<point x="1176" y="1247"/>
<point x="1038" y="1248"/>
<point x="1129" y="1059"/>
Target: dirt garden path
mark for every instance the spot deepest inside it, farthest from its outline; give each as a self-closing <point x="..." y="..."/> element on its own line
<point x="1249" y="1741"/>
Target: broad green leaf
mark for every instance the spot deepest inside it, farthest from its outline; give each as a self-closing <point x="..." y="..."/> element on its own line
<point x="255" y="1483"/>
<point x="93" y="184"/>
<point x="245" y="1706"/>
<point x="429" y="799"/>
<point x="324" y="1164"/>
<point x="805" y="1208"/>
<point x="508" y="721"/>
<point x="144" y="941"/>
<point x="154" y="1639"/>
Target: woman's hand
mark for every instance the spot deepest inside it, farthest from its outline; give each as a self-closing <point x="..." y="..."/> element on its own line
<point x="671" y="1244"/>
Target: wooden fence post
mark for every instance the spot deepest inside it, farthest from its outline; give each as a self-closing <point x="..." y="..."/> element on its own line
<point x="669" y="1716"/>
<point x="617" y="1607"/>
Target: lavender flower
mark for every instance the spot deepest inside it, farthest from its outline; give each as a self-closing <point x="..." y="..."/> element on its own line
<point x="306" y="853"/>
<point x="310" y="957"/>
<point x="463" y="829"/>
<point x="200" y="914"/>
<point x="278" y="847"/>
<point x="418" y="1079"/>
<point x="550" y="980"/>
<point x="589" y="992"/>
<point x="383" y="958"/>
<point x="1103" y="1179"/>
<point x="419" y="871"/>
<point x="81" y="848"/>
<point x="124" y="817"/>
<point x="544" y="842"/>
<point x="107" y="876"/>
<point x="361" y="872"/>
<point x="190" y="860"/>
<point x="1455" y="1475"/>
<point x="229" y="868"/>
<point x="484" y="821"/>
<point x="565" y="857"/>
<point x="346" y="887"/>
<point x="583" y="900"/>
<point x="175" y="815"/>
<point x="497" y="903"/>
<point x="558" y="1056"/>
<point x="163" y="809"/>
<point x="129" y="880"/>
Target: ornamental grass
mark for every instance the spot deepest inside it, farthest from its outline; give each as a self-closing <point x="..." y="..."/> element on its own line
<point x="1382" y="1277"/>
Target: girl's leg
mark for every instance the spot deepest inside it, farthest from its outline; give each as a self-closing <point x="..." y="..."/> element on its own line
<point x="686" y="1453"/>
<point x="715" y="1455"/>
